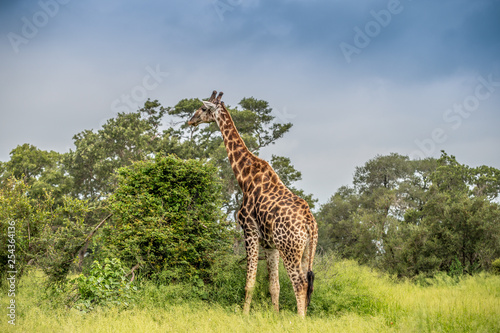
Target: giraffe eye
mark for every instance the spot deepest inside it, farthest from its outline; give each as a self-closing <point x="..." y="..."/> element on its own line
<point x="203" y="109"/>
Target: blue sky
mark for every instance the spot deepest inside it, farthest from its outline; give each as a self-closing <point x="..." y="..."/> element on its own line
<point x="356" y="78"/>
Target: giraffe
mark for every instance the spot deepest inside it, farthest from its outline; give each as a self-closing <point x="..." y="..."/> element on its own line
<point x="270" y="215"/>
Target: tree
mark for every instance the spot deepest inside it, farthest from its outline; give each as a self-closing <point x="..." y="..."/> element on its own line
<point x="357" y="219"/>
<point x="38" y="231"/>
<point x="261" y="123"/>
<point x="459" y="220"/>
<point x="128" y="137"/>
<point x="382" y="171"/>
<point x="336" y="230"/>
<point x="41" y="170"/>
<point x="416" y="217"/>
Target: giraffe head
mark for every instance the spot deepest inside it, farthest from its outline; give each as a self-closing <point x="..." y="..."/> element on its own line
<point x="207" y="113"/>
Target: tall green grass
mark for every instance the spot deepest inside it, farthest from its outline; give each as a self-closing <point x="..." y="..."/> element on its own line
<point x="347" y="298"/>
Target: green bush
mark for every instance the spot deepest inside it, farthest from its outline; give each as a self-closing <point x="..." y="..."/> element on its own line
<point x="104" y="285"/>
<point x="495" y="266"/>
<point x="167" y="218"/>
<point x="38" y="232"/>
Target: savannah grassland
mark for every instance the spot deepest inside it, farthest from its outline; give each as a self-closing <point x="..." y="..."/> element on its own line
<point x="347" y="298"/>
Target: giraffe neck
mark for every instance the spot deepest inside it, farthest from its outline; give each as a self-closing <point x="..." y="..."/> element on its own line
<point x="239" y="155"/>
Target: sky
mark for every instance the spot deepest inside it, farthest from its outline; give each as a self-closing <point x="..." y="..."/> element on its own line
<point x="356" y="78"/>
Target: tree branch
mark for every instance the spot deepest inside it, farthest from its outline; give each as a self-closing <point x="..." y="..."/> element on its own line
<point x="132" y="272"/>
<point x="85" y="245"/>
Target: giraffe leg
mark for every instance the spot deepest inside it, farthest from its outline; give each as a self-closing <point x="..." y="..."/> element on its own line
<point x="299" y="282"/>
<point x="307" y="269"/>
<point x="305" y="259"/>
<point x="252" y="248"/>
<point x="273" y="259"/>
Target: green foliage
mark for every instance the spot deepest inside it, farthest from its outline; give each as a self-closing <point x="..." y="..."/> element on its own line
<point x="104" y="285"/>
<point x="64" y="239"/>
<point x="495" y="266"/>
<point x="262" y="126"/>
<point x="228" y="278"/>
<point x="44" y="234"/>
<point x="346" y="287"/>
<point x="22" y="221"/>
<point x="382" y="171"/>
<point x="128" y="137"/>
<point x="167" y="217"/>
<point x="41" y="170"/>
<point x="416" y="217"/>
<point x="28" y="163"/>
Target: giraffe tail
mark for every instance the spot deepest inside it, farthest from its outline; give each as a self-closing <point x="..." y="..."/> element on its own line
<point x="310" y="275"/>
<point x="310" y="287"/>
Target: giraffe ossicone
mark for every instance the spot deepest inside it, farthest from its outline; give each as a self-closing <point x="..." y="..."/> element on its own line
<point x="270" y="215"/>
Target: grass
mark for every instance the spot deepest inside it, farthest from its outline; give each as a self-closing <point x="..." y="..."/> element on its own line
<point x="347" y="298"/>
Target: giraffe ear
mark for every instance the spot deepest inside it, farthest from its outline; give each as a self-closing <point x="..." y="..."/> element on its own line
<point x="209" y="105"/>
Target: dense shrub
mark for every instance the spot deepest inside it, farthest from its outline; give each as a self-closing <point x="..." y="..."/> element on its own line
<point x="167" y="219"/>
<point x="495" y="266"/>
<point x="104" y="285"/>
<point x="39" y="232"/>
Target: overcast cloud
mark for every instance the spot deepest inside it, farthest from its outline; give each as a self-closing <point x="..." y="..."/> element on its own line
<point x="356" y="78"/>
